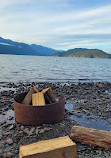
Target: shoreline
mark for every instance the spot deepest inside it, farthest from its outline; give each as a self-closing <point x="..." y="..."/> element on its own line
<point x="84" y="101"/>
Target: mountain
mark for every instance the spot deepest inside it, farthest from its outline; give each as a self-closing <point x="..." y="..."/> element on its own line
<point x="83" y="53"/>
<point x="43" y="51"/>
<point x="16" y="48"/>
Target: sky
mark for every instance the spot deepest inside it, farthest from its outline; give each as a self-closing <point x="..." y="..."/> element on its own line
<point x="59" y="24"/>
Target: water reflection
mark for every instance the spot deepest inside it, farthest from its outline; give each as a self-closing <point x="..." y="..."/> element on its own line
<point x="88" y="121"/>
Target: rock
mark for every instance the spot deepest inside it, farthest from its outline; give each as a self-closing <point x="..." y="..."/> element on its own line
<point x="47" y="128"/>
<point x="5" y="109"/>
<point x="37" y="131"/>
<point x="0" y="135"/>
<point x="16" y="151"/>
<point x="32" y="129"/>
<point x="6" y="133"/>
<point x="22" y="127"/>
<point x="100" y="85"/>
<point x="6" y="125"/>
<point x="3" y="113"/>
<point x="10" y="141"/>
<point x="27" y="131"/>
<point x="10" y="117"/>
<point x="7" y="155"/>
<point x="77" y="115"/>
<point x="70" y="112"/>
<point x="11" y="127"/>
<point x="41" y="131"/>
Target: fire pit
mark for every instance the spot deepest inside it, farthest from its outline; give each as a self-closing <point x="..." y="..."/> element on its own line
<point x="38" y="115"/>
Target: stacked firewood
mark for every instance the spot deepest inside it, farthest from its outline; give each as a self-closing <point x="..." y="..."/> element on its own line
<point x="39" y="98"/>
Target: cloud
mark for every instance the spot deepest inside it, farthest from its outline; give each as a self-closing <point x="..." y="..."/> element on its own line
<point x="55" y="23"/>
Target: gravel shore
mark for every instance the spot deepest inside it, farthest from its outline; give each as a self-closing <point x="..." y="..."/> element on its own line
<point x="86" y="105"/>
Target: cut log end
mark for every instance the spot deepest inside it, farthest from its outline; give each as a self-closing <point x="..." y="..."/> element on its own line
<point x="38" y="99"/>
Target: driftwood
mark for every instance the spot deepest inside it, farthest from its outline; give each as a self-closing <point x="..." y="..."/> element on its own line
<point x="62" y="147"/>
<point x="91" y="136"/>
<point x="49" y="96"/>
<point x="38" y="99"/>
<point x="28" y="97"/>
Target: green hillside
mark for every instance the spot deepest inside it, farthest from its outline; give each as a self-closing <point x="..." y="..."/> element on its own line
<point x="83" y="53"/>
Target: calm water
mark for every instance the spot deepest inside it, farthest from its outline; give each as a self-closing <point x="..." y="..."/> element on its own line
<point x="91" y="122"/>
<point x="53" y="69"/>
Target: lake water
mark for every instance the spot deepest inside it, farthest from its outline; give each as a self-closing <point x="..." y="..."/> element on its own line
<point x="16" y="68"/>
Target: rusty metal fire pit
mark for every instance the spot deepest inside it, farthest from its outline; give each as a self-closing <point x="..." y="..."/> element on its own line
<point x="38" y="115"/>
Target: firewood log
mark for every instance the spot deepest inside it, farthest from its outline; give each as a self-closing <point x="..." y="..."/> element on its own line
<point x="38" y="99"/>
<point x="91" y="136"/>
<point x="28" y="97"/>
<point x="62" y="147"/>
<point x="49" y="95"/>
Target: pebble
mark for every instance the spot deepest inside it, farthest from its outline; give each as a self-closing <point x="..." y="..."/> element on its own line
<point x="41" y="131"/>
<point x="77" y="115"/>
<point x="6" y="133"/>
<point x="47" y="129"/>
<point x="10" y="141"/>
<point x="1" y="135"/>
<point x="7" y="155"/>
<point x="27" y="131"/>
<point x="22" y="127"/>
<point x="37" y="131"/>
<point x="11" y="127"/>
<point x="10" y="117"/>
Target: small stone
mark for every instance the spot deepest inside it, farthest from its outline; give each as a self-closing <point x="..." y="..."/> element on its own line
<point x="16" y="151"/>
<point x="37" y="131"/>
<point x="32" y="129"/>
<point x="22" y="127"/>
<point x="6" y="133"/>
<point x="47" y="128"/>
<point x="11" y="127"/>
<point x="27" y="131"/>
<point x="100" y="85"/>
<point x="3" y="113"/>
<point x="10" y="117"/>
<point x="10" y="141"/>
<point x="41" y="131"/>
<point x="7" y="155"/>
<point x="0" y="135"/>
<point x="77" y="115"/>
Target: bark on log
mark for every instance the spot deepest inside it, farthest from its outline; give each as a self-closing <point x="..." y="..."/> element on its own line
<point x="49" y="95"/>
<point x="28" y="97"/>
<point x="91" y="136"/>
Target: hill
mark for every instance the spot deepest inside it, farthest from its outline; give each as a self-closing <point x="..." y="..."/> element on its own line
<point x="83" y="53"/>
<point x="16" y="48"/>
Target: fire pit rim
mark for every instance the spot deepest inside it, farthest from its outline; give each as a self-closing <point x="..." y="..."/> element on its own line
<point x="38" y="115"/>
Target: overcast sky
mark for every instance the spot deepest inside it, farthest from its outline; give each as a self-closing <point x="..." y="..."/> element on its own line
<point x="59" y="24"/>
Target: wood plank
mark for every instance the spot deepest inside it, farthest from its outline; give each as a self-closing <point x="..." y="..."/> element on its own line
<point x="38" y="99"/>
<point x="62" y="147"/>
<point x="28" y="97"/>
<point x="91" y="136"/>
<point x="35" y="89"/>
<point x="49" y="95"/>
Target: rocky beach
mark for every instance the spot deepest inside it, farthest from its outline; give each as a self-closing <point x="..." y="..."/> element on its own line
<point x="87" y="104"/>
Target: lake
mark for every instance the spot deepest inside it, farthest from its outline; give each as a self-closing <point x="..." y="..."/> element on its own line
<point x="20" y="68"/>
